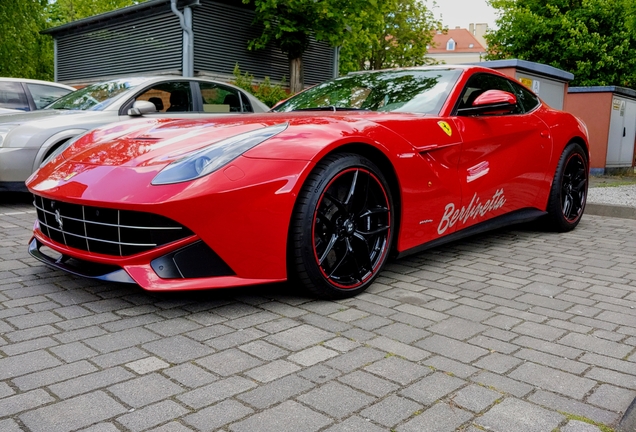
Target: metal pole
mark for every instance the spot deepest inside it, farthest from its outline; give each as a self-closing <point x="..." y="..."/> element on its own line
<point x="185" y="20"/>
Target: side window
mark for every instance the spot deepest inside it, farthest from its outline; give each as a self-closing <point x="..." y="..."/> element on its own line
<point x="221" y="99"/>
<point x="12" y="96"/>
<point x="43" y="94"/>
<point x="481" y="82"/>
<point x="169" y="97"/>
<point x="525" y="97"/>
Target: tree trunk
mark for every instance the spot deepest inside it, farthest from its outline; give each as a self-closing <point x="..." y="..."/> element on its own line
<point x="296" y="75"/>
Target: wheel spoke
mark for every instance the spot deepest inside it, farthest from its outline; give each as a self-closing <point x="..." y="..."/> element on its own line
<point x="352" y="188"/>
<point x="567" y="205"/>
<point x="328" y="249"/>
<point x="361" y="256"/>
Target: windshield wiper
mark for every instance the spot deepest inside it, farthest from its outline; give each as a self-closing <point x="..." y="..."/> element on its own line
<point x="331" y="108"/>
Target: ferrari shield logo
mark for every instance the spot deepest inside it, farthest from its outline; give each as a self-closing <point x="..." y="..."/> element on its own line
<point x="445" y="127"/>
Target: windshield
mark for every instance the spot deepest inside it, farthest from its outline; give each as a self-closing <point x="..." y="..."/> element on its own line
<point x="417" y="91"/>
<point x="95" y="97"/>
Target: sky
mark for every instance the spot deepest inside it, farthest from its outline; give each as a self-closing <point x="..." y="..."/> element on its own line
<point x="463" y="12"/>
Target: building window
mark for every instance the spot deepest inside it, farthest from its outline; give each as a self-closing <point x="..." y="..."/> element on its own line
<point x="450" y="45"/>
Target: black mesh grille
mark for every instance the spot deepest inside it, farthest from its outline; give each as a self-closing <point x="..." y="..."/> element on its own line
<point x="105" y="231"/>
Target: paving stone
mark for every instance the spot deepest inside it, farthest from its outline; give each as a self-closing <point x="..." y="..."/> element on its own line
<point x="342" y="344"/>
<point x="354" y="359"/>
<point x="402" y="332"/>
<point x="289" y="415"/>
<point x="628" y="367"/>
<point x="398" y="348"/>
<point x="447" y="365"/>
<point x="173" y="327"/>
<point x="79" y="334"/>
<point x="519" y="416"/>
<point x="298" y="338"/>
<point x="596" y="345"/>
<point x="252" y="320"/>
<point x="190" y="375"/>
<point x="441" y="417"/>
<point x="391" y="410"/>
<point x="611" y="377"/>
<point x="579" y="426"/>
<point x="177" y="349"/>
<point x="553" y="380"/>
<point x="263" y="350"/>
<point x="272" y="370"/>
<point x="152" y="415"/>
<point x="53" y="375"/>
<point x="568" y="405"/>
<point x="493" y="344"/>
<point x="319" y="374"/>
<point x="549" y="347"/>
<point x="369" y="383"/>
<point x="34" y="319"/>
<point x="502" y="384"/>
<point x="539" y="331"/>
<point x="452" y="348"/>
<point x="123" y="339"/>
<point x="229" y="362"/>
<point x="119" y="357"/>
<point x="355" y="424"/>
<point x="24" y="401"/>
<point x="612" y="398"/>
<point x="498" y="363"/>
<point x="216" y="391"/>
<point x="431" y="388"/>
<point x="313" y="355"/>
<point x="457" y="328"/>
<point x="26" y="363"/>
<point x="234" y="338"/>
<point x="72" y="414"/>
<point x="9" y="425"/>
<point x="550" y="360"/>
<point x="147" y="365"/>
<point x="475" y="398"/>
<point x="171" y="427"/>
<point x="276" y="392"/>
<point x="335" y="399"/>
<point x="90" y="382"/>
<point x="145" y="390"/>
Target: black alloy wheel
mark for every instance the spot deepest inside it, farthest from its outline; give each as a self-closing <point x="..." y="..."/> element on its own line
<point x="343" y="227"/>
<point x="569" y="190"/>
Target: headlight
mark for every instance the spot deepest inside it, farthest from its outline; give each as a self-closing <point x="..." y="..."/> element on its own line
<point x="206" y="161"/>
<point x="61" y="148"/>
<point x="4" y="131"/>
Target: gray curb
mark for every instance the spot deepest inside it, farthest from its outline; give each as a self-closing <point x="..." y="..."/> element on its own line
<point x="616" y="211"/>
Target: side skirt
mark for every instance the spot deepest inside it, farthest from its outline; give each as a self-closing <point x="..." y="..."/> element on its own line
<point x="515" y="217"/>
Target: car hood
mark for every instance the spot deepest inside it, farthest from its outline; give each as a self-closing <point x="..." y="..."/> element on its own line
<point x="160" y="141"/>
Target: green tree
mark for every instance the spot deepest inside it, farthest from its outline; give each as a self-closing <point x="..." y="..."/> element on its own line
<point x="590" y="38"/>
<point x="394" y="33"/>
<point x="24" y="52"/>
<point x="65" y="11"/>
<point x="290" y="24"/>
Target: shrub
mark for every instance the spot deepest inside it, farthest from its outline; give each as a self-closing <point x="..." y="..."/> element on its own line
<point x="270" y="94"/>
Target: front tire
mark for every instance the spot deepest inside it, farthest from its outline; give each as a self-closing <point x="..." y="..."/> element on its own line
<point x="342" y="228"/>
<point x="568" y="194"/>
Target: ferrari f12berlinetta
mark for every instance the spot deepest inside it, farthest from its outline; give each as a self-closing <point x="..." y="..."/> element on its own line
<point x="323" y="190"/>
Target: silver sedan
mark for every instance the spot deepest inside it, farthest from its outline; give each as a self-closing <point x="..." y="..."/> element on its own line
<point x="26" y="140"/>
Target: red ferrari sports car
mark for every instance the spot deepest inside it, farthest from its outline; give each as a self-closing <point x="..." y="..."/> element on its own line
<point x="323" y="190"/>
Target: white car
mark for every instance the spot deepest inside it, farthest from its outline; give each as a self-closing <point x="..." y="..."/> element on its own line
<point x="27" y="139"/>
<point x="21" y="94"/>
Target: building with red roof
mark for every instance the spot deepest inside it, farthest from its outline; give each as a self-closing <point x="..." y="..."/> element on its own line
<point x="459" y="45"/>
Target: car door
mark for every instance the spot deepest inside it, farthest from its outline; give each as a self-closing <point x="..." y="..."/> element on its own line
<point x="504" y="155"/>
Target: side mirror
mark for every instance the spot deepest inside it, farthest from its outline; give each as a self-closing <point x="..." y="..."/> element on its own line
<point x="491" y="102"/>
<point x="142" y="107"/>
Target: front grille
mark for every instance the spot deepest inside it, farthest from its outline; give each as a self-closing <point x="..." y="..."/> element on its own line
<point x="103" y="230"/>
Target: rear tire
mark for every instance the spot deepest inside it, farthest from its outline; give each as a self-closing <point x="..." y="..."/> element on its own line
<point x="568" y="194"/>
<point x="342" y="228"/>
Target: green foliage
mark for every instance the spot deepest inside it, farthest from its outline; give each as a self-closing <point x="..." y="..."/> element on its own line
<point x="24" y="52"/>
<point x="593" y="39"/>
<point x="267" y="92"/>
<point x="388" y="33"/>
<point x="64" y="11"/>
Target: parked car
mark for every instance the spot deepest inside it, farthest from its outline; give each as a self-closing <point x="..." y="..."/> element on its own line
<point x="322" y="192"/>
<point x="26" y="140"/>
<point x="21" y="94"/>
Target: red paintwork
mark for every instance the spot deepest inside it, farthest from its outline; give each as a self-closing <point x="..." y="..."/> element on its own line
<point x="243" y="210"/>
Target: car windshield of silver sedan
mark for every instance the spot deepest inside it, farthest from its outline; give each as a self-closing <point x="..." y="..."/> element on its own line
<point x="408" y="90"/>
<point x="95" y="97"/>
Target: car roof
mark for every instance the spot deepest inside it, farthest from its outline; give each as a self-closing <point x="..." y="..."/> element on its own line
<point x="34" y="81"/>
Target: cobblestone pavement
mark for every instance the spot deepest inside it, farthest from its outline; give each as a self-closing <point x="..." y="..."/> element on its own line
<point x="511" y="331"/>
